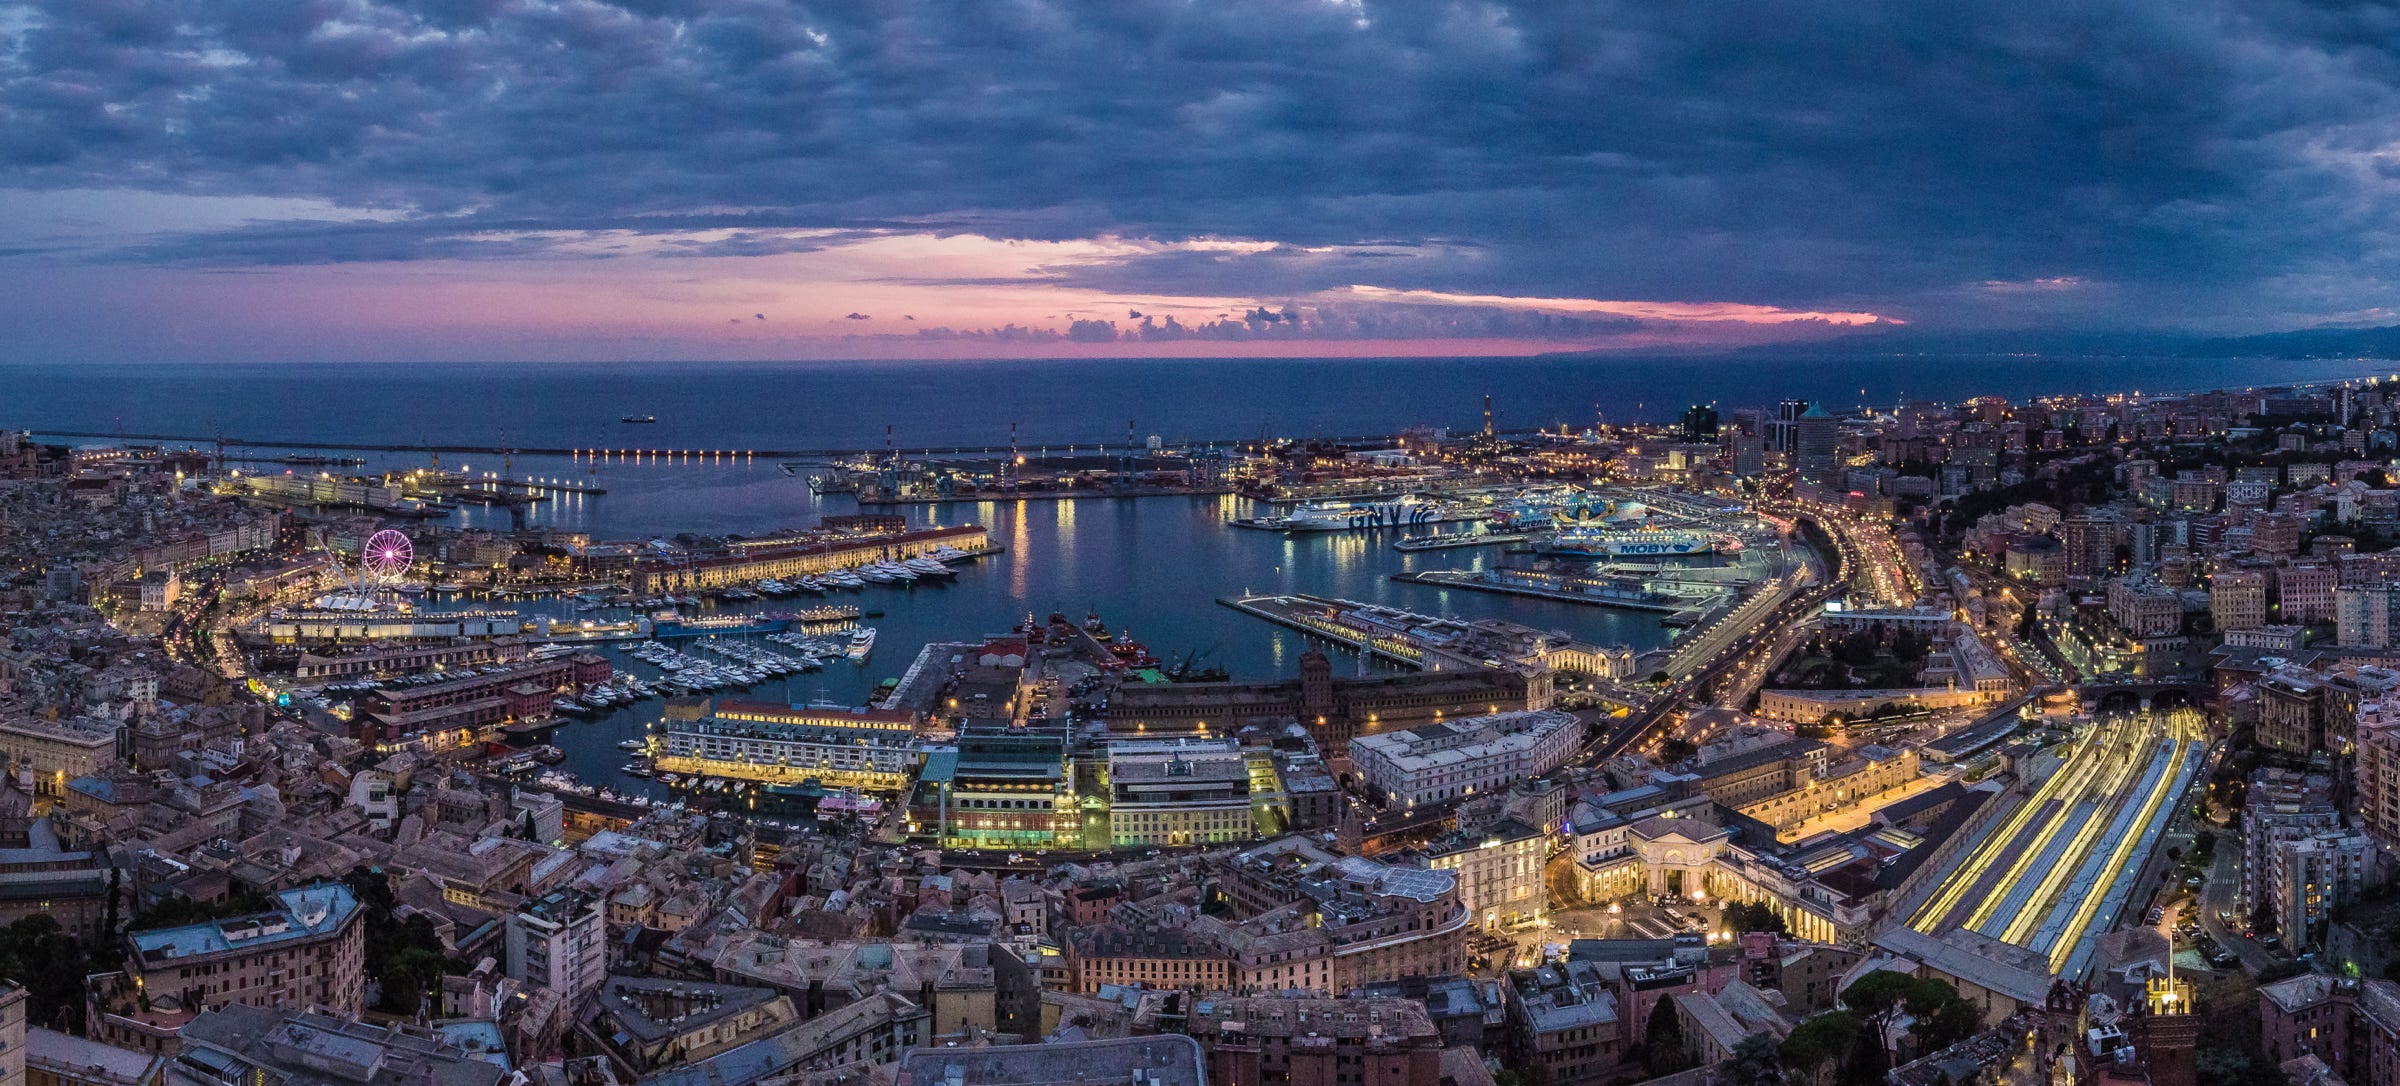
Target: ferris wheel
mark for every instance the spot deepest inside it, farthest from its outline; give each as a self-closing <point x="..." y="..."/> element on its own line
<point x="386" y="556"/>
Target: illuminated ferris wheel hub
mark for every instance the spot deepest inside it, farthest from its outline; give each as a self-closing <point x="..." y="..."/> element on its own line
<point x="387" y="555"/>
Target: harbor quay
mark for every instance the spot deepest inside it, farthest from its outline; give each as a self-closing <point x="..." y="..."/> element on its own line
<point x="1711" y="715"/>
<point x="751" y="565"/>
<point x="1429" y="643"/>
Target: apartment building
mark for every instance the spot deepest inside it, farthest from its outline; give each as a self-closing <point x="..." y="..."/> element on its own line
<point x="58" y="751"/>
<point x="309" y="951"/>
<point x="560" y="941"/>
<point x="1462" y="757"/>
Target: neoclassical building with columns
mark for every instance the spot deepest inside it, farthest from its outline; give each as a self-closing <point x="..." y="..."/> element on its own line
<point x="1822" y="894"/>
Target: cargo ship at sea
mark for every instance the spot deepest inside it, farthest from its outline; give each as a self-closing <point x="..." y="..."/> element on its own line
<point x="1634" y="543"/>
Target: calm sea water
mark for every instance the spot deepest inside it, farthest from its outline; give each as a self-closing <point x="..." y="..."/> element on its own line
<point x="810" y="405"/>
<point x="1155" y="566"/>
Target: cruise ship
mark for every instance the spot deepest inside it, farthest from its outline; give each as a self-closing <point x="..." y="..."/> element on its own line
<point x="1633" y="542"/>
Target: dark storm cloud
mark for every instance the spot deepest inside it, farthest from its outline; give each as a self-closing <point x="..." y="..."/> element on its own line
<point x="2200" y="159"/>
<point x="474" y="237"/>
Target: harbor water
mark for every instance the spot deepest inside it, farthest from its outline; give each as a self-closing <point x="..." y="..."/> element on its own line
<point x="1151" y="566"/>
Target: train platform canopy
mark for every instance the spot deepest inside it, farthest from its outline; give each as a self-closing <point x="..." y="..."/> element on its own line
<point x="1967" y="958"/>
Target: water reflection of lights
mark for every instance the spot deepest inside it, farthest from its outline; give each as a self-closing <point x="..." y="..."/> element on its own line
<point x="1350" y="548"/>
<point x="1020" y="549"/>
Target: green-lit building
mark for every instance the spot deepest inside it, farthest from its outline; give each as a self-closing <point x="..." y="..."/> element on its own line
<point x="1033" y="789"/>
<point x="1010" y="787"/>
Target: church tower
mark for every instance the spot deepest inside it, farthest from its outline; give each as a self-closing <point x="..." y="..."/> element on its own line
<point x="2168" y="1032"/>
<point x="1319" y="710"/>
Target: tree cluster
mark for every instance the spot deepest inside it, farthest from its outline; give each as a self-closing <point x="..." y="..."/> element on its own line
<point x="1744" y="916"/>
<point x="1839" y="1048"/>
<point x="1938" y="1016"/>
<point x="1833" y="1049"/>
<point x="51" y="964"/>
<point x="2230" y="1052"/>
<point x="405" y="957"/>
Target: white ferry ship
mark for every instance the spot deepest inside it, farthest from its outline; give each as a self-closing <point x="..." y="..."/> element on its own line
<point x="1400" y="512"/>
<point x="1636" y="542"/>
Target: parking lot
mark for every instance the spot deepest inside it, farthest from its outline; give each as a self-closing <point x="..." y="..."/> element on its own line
<point x="2180" y="922"/>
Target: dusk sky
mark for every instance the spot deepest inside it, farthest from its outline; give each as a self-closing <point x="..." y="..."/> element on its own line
<point x="569" y="179"/>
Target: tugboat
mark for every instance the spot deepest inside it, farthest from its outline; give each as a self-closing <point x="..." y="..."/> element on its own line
<point x="1131" y="653"/>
